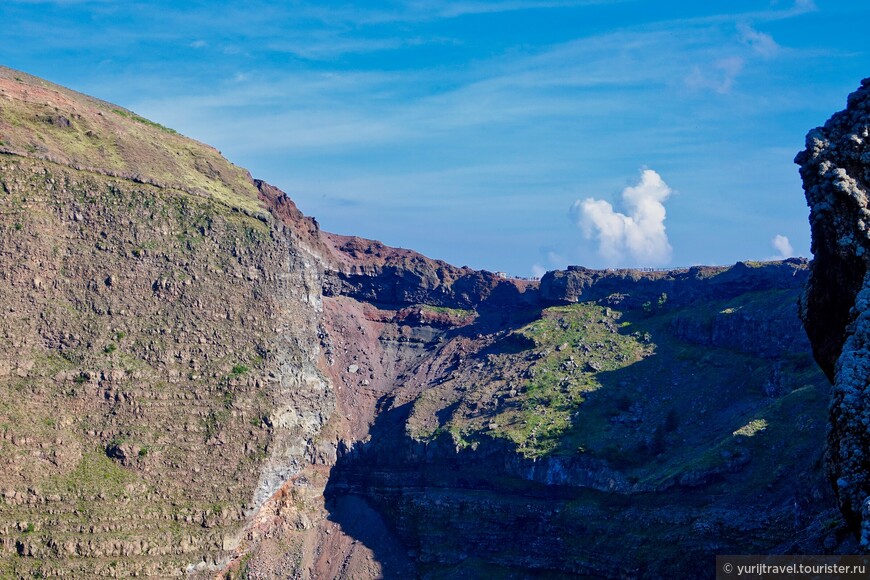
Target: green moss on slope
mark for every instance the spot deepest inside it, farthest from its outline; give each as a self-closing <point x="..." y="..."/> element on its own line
<point x="45" y="121"/>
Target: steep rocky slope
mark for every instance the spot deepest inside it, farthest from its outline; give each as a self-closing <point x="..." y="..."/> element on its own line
<point x="196" y="380"/>
<point x="158" y="380"/>
<point x="835" y="167"/>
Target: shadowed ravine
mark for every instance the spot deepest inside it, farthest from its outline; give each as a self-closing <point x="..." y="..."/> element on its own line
<point x="673" y="445"/>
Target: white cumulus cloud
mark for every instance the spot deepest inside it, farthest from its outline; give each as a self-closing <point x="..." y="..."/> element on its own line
<point x="783" y="246"/>
<point x="638" y="235"/>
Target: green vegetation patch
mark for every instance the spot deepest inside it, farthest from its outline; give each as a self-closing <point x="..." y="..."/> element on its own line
<point x="144" y="121"/>
<point x="95" y="474"/>
<point x="752" y="428"/>
<point x="573" y="344"/>
<point x="122" y="142"/>
<point x="533" y="396"/>
<point x="454" y="312"/>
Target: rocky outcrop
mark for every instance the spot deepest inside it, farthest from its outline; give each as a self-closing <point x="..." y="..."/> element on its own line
<point x="369" y="271"/>
<point x="679" y="287"/>
<point x="835" y="167"/>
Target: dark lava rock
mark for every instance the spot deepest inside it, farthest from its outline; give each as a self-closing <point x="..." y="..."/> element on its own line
<point x="633" y="288"/>
<point x="835" y="167"/>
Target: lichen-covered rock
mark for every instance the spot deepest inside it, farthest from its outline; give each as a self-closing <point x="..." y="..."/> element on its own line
<point x="835" y="167"/>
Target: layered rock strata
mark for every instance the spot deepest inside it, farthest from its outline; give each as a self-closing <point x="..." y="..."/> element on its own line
<point x="158" y="377"/>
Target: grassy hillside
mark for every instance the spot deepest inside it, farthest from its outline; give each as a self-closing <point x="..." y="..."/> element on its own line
<point x="45" y="121"/>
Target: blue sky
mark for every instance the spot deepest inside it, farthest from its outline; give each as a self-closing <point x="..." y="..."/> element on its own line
<point x="474" y="131"/>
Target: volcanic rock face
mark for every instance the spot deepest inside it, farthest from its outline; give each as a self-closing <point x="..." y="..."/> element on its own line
<point x="158" y="377"/>
<point x="372" y="272"/>
<point x="835" y="167"/>
<point x="195" y="380"/>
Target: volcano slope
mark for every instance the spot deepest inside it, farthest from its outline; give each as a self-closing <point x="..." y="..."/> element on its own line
<point x="158" y="377"/>
<point x="195" y="380"/>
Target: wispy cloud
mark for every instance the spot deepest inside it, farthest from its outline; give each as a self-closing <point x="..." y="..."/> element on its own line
<point x="332" y="101"/>
<point x="331" y="44"/>
<point x="427" y="10"/>
<point x="803" y="6"/>
<point x="718" y="76"/>
<point x="450" y="9"/>
<point x="59" y="2"/>
<point x="761" y="43"/>
<point x="545" y="89"/>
